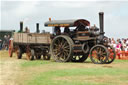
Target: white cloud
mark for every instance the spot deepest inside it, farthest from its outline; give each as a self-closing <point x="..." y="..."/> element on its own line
<point x="26" y="8"/>
<point x="39" y="11"/>
<point x="71" y="4"/>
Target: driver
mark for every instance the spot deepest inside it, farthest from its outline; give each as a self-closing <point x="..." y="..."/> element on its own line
<point x="66" y="30"/>
<point x="57" y="31"/>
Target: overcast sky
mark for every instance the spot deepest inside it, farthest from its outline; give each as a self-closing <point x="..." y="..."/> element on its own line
<point x="32" y="12"/>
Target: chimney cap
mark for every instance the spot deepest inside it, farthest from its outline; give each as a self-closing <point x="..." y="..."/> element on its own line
<point x="101" y="12"/>
<point x="21" y="21"/>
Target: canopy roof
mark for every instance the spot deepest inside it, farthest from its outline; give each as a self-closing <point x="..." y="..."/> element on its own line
<point x="64" y="23"/>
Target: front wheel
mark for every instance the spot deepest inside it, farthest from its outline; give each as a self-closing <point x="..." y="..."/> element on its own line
<point x="112" y="54"/>
<point x="99" y="54"/>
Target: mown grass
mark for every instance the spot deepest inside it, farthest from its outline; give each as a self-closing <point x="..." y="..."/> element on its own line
<point x="81" y="76"/>
<point x="78" y="73"/>
<point x="42" y="62"/>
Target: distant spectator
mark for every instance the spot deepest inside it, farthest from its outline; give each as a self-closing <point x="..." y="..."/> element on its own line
<point x="109" y="41"/>
<point x="121" y="47"/>
<point x="5" y="44"/>
<point x="127" y="41"/>
<point x="118" y="48"/>
<point x="114" y="44"/>
<point x="0" y="44"/>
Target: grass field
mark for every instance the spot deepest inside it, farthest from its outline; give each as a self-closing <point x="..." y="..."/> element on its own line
<point x="39" y="72"/>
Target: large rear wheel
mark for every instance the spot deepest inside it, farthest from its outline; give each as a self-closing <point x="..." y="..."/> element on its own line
<point x="62" y="48"/>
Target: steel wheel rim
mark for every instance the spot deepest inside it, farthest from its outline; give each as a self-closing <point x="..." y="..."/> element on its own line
<point x="112" y="54"/>
<point x="18" y="52"/>
<point x="10" y="51"/>
<point x="10" y="48"/>
<point x="61" y="49"/>
<point x="99" y="55"/>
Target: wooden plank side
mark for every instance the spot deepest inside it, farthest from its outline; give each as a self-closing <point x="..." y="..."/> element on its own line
<point x="25" y="37"/>
<point x="20" y="37"/>
<point x="31" y="38"/>
<point x="42" y="38"/>
<point x="49" y="39"/>
<point x="16" y="37"/>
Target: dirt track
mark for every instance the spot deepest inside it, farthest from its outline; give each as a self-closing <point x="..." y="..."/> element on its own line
<point x="9" y="69"/>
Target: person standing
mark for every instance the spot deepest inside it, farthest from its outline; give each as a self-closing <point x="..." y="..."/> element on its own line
<point x="8" y="38"/>
<point x="118" y="48"/>
<point x="0" y="44"/>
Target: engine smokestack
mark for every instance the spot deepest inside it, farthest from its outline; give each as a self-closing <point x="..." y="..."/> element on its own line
<point x="21" y="26"/>
<point x="101" y="22"/>
<point x="37" y="28"/>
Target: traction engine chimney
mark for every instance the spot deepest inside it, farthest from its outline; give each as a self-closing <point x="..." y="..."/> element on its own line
<point x="21" y="26"/>
<point x="101" y="22"/>
<point x="37" y="28"/>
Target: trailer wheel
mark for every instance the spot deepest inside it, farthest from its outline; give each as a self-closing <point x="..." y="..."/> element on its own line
<point x="112" y="54"/>
<point x="19" y="53"/>
<point x="10" y="48"/>
<point x="46" y="57"/>
<point x="80" y="57"/>
<point x="62" y="48"/>
<point x="38" y="56"/>
<point x="99" y="54"/>
<point x="32" y="54"/>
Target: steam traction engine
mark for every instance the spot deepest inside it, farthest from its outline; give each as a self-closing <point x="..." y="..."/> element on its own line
<point x="80" y="42"/>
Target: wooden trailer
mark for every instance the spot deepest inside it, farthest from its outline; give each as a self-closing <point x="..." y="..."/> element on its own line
<point x="34" y="45"/>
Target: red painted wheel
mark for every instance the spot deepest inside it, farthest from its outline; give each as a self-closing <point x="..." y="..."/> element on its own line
<point x="112" y="54"/>
<point x="10" y="48"/>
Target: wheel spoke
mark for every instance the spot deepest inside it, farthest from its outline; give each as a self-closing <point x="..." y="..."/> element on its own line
<point x="61" y="48"/>
<point x="98" y="54"/>
<point x="112" y="54"/>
